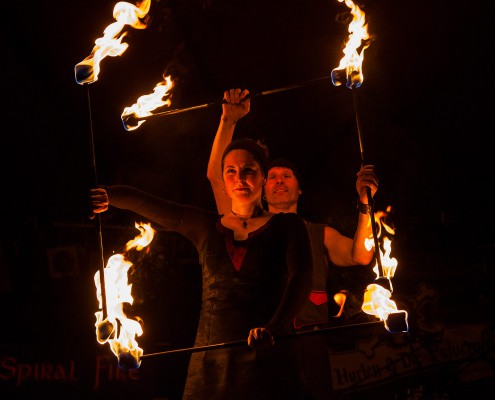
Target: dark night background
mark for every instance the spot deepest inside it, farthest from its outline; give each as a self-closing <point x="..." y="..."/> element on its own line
<point x="425" y="122"/>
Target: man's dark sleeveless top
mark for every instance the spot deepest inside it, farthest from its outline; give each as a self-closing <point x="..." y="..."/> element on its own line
<point x="315" y="309"/>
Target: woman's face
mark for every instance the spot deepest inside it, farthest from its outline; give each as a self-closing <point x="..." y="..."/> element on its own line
<point x="242" y="176"/>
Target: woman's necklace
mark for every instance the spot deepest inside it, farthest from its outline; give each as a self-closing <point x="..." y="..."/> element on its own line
<point x="258" y="211"/>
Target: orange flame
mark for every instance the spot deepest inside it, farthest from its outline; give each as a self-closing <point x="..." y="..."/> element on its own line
<point x="147" y="103"/>
<point x="377" y="299"/>
<point x="389" y="264"/>
<point x="350" y="67"/>
<point x="110" y="45"/>
<point x="118" y="330"/>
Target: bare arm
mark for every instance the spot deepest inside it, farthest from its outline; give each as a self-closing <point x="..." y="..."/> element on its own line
<point x="344" y="251"/>
<point x="236" y="105"/>
<point x="190" y="221"/>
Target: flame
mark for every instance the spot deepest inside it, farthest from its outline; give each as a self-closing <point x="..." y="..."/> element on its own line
<point x="389" y="264"/>
<point x="350" y="67"/>
<point x="147" y="103"/>
<point x="140" y="242"/>
<point x="377" y="298"/>
<point x="340" y="299"/>
<point x="118" y="330"/>
<point x="110" y="45"/>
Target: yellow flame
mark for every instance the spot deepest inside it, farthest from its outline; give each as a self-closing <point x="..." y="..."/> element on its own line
<point x="340" y="299"/>
<point x="143" y="240"/>
<point x="377" y="299"/>
<point x="350" y="67"/>
<point x="124" y="13"/>
<point x="147" y="103"/>
<point x="389" y="264"/>
<point x="118" y="330"/>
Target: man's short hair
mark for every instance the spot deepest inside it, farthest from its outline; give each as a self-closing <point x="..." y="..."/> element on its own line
<point x="283" y="163"/>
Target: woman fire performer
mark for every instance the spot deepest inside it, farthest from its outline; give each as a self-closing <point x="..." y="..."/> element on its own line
<point x="255" y="279"/>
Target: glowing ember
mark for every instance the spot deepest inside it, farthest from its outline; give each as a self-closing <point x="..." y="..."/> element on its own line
<point x="110" y="45"/>
<point x="349" y="70"/>
<point x="118" y="330"/>
<point x="377" y="299"/>
<point x="147" y="103"/>
<point x="340" y="298"/>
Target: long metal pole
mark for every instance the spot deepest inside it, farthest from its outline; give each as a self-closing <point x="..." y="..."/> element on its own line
<point x="98" y="218"/>
<point x="368" y="190"/>
<point x="240" y="343"/>
<point x="133" y="119"/>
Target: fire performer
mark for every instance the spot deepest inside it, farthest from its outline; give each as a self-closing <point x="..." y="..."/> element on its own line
<point x="255" y="279"/>
<point x="282" y="191"/>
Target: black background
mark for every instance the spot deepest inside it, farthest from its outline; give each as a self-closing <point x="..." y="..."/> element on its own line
<point x="423" y="110"/>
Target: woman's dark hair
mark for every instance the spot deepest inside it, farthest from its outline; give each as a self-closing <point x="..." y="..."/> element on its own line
<point x="257" y="149"/>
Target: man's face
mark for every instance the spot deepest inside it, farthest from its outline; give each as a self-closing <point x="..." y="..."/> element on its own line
<point x="282" y="188"/>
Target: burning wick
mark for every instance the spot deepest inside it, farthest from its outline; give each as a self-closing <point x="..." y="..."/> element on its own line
<point x="147" y="103"/>
<point x="104" y="331"/>
<point x="110" y="45"/>
<point x="377" y="302"/>
<point x="349" y="70"/>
